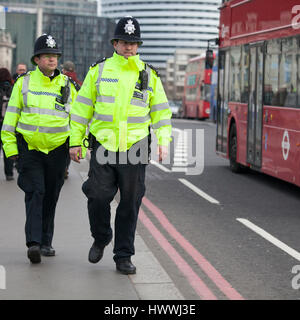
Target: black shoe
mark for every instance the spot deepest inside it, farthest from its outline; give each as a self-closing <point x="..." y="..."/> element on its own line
<point x="96" y="253"/>
<point x="34" y="254"/>
<point x="125" y="266"/>
<point x="47" y="251"/>
<point x="9" y="178"/>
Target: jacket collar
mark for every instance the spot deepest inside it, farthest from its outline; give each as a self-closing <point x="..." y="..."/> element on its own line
<point x="44" y="78"/>
<point x="131" y="62"/>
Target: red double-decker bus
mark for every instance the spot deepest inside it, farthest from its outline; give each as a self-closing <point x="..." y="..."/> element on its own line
<point x="196" y="94"/>
<point x="258" y="111"/>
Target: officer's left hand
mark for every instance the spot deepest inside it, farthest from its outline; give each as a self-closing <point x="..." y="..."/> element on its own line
<point x="162" y="152"/>
<point x="75" y="154"/>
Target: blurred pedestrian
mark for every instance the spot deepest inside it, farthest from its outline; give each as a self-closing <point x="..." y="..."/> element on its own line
<point x="68" y="68"/>
<point x="36" y="131"/>
<point x="20" y="69"/>
<point x="6" y="84"/>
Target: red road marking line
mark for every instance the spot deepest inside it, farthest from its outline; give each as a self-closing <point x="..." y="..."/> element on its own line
<point x="213" y="274"/>
<point x="199" y="286"/>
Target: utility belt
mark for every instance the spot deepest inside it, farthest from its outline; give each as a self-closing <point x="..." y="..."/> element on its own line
<point x="139" y="153"/>
<point x="91" y="142"/>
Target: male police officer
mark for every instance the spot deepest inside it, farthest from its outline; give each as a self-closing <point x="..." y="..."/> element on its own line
<point x="122" y="96"/>
<point x="36" y="130"/>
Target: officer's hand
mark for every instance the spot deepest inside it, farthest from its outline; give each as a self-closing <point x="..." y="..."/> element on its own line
<point x="162" y="152"/>
<point x="75" y="154"/>
<point x="14" y="158"/>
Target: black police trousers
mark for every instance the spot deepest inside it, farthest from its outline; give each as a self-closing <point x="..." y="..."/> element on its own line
<point x="41" y="177"/>
<point x="100" y="188"/>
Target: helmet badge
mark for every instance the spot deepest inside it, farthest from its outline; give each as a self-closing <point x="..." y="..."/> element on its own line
<point x="129" y="27"/>
<point x="50" y="42"/>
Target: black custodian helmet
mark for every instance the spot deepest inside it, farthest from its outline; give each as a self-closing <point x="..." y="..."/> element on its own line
<point x="128" y="29"/>
<point x="45" y="44"/>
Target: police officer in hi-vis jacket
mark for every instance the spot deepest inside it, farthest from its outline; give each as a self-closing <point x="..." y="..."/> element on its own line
<point x="121" y="97"/>
<point x="35" y="131"/>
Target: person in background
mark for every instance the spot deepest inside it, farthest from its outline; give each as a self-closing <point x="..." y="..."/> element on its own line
<point x="6" y="84"/>
<point x="68" y="69"/>
<point x="20" y="69"/>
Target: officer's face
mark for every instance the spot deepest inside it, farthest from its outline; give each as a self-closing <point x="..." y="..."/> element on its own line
<point x="47" y="63"/>
<point x="126" y="49"/>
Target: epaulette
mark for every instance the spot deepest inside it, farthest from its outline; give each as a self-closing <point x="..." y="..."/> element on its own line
<point x="98" y="61"/>
<point x="76" y="85"/>
<point x="154" y="69"/>
<point x="22" y="75"/>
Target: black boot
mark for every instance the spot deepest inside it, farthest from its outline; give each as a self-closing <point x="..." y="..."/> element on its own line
<point x="96" y="253"/>
<point x="125" y="266"/>
<point x="34" y="254"/>
<point x="47" y="251"/>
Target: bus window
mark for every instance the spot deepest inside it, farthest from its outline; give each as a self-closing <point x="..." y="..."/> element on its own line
<point x="235" y="74"/>
<point x="288" y="72"/>
<point x="191" y="81"/>
<point x="245" y="74"/>
<point x="271" y="90"/>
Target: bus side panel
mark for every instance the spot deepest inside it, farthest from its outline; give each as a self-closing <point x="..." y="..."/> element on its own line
<point x="242" y="110"/>
<point x="239" y="116"/>
<point x="281" y="145"/>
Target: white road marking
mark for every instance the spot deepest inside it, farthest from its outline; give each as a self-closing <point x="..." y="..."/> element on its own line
<point x="295" y="254"/>
<point x="178" y="169"/>
<point x="199" y="192"/>
<point x="158" y="165"/>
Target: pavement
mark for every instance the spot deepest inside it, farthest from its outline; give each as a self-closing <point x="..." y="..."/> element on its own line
<point x="69" y="275"/>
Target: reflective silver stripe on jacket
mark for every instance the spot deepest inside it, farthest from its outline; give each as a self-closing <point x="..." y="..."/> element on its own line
<point x="43" y="129"/>
<point x="82" y="120"/>
<point x="13" y="109"/>
<point x="138" y="103"/>
<point x="106" y="99"/>
<point x="103" y="117"/>
<point x="49" y="112"/>
<point x="9" y="128"/>
<point x="161" y="123"/>
<point x="138" y="119"/>
<point x="101" y="66"/>
<point x="159" y="107"/>
<point x="84" y="100"/>
<point x="25" y="88"/>
<point x="54" y="130"/>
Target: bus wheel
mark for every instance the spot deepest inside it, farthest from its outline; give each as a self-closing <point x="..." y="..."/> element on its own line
<point x="234" y="166"/>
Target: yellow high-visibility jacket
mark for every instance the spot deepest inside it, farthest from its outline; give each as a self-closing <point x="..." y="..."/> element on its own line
<point x="119" y="111"/>
<point x="34" y="112"/>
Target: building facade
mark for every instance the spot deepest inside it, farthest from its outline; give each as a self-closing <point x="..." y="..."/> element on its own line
<point x="77" y="7"/>
<point x="168" y="25"/>
<point x="6" y="48"/>
<point x="82" y="39"/>
<point x="175" y="72"/>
